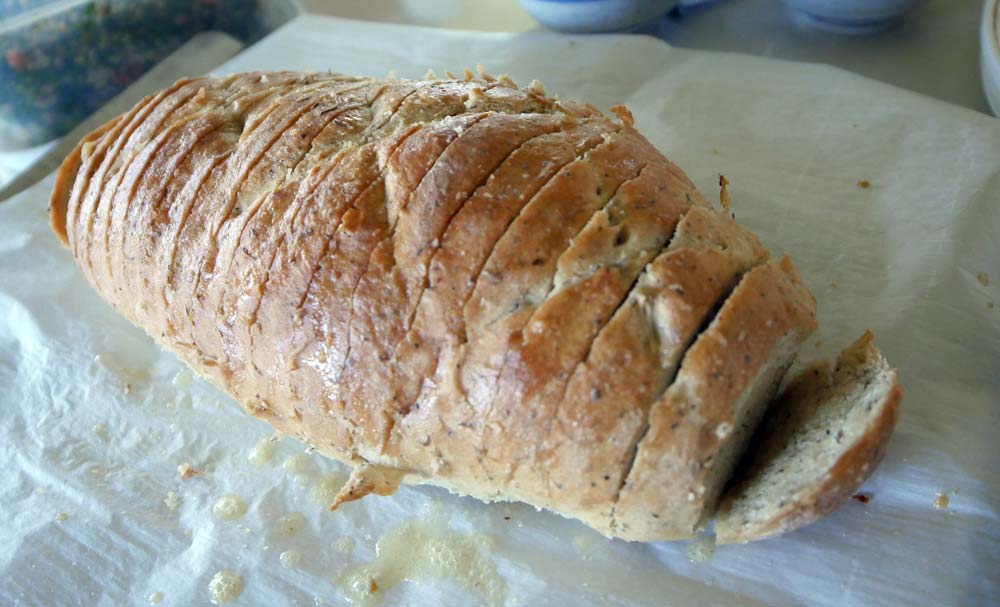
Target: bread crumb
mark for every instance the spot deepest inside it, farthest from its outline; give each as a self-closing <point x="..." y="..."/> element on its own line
<point x="983" y="278"/>
<point x="482" y="73"/>
<point x="861" y="497"/>
<point x="723" y="193"/>
<point x="430" y="75"/>
<point x="834" y="285"/>
<point x="624" y="114"/>
<point x="505" y="80"/>
<point x="172" y="501"/>
<point x="155" y="598"/>
<point x="468" y="75"/>
<point x="62" y="516"/>
<point x="536" y="87"/>
<point x="864" y="184"/>
<point x="186" y="471"/>
<point x="476" y="96"/>
<point x="450" y="75"/>
<point x="941" y="501"/>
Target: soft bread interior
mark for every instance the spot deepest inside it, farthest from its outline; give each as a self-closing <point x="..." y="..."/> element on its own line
<point x="818" y="443"/>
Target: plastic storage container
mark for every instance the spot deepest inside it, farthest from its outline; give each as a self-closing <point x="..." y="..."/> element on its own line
<point x="62" y="59"/>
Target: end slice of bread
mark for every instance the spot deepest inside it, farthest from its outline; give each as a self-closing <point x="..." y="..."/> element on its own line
<point x="820" y="440"/>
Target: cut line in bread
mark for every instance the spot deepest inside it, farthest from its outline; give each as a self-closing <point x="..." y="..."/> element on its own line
<point x="700" y="426"/>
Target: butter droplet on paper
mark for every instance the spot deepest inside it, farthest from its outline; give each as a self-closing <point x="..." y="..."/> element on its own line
<point x="297" y="464"/>
<point x="172" y="501"/>
<point x="100" y="431"/>
<point x="182" y="379"/>
<point x="229" y="507"/>
<point x="289" y="525"/>
<point x="225" y="587"/>
<point x="290" y="559"/>
<point x="701" y="549"/>
<point x="345" y="545"/>
<point x="263" y="451"/>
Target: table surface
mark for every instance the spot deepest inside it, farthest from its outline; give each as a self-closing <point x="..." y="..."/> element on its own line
<point x="934" y="52"/>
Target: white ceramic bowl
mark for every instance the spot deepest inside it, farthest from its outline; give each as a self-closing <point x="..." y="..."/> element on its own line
<point x="850" y="16"/>
<point x="587" y="16"/>
<point x="989" y="54"/>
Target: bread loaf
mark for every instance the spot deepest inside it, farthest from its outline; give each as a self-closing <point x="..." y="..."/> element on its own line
<point x="455" y="282"/>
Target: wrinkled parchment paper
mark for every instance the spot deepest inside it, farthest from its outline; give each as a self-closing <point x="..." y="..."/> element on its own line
<point x="916" y="257"/>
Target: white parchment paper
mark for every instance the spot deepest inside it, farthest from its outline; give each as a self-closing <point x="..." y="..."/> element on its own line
<point x="916" y="257"/>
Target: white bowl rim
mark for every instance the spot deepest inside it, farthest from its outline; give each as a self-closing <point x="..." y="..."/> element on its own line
<point x="989" y="42"/>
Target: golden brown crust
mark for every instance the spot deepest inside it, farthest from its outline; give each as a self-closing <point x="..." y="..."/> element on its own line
<point x="432" y="276"/>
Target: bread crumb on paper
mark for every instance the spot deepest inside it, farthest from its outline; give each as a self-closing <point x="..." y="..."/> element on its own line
<point x="864" y="184"/>
<point x="941" y="501"/>
<point x="62" y="516"/>
<point x="983" y="278"/>
<point x="186" y="471"/>
<point x="724" y="198"/>
<point x="156" y="598"/>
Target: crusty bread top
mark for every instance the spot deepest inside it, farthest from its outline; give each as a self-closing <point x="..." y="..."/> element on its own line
<point x="819" y="442"/>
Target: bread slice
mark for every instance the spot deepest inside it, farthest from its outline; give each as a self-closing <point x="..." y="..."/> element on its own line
<point x="819" y="442"/>
<point x="699" y="428"/>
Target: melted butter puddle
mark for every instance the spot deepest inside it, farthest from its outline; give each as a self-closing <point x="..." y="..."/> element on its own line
<point x="417" y="550"/>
